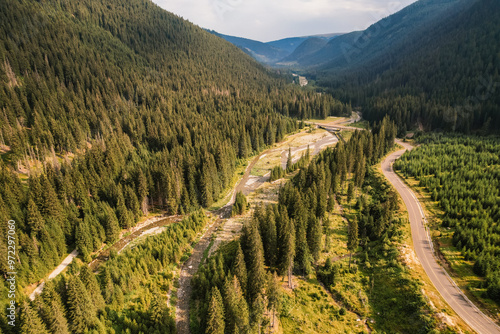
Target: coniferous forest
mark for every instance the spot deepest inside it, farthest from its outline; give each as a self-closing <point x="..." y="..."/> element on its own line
<point x="442" y="75"/>
<point x="238" y="289"/>
<point x="112" y="109"/>
<point x="107" y="119"/>
<point x="462" y="175"/>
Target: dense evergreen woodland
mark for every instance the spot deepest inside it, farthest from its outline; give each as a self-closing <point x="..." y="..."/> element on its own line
<point x="109" y="109"/>
<point x="128" y="295"/>
<point x="463" y="175"/>
<point x="442" y="75"/>
<point x="238" y="290"/>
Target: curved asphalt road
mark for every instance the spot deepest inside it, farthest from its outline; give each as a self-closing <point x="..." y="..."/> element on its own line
<point x="477" y="320"/>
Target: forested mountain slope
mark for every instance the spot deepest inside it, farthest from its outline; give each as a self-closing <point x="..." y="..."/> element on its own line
<point x="109" y="108"/>
<point x="389" y="33"/>
<point x="304" y="50"/>
<point x="262" y="52"/>
<point x="441" y="73"/>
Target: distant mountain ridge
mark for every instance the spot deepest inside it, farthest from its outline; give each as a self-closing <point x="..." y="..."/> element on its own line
<point x="433" y="65"/>
<point x="273" y="52"/>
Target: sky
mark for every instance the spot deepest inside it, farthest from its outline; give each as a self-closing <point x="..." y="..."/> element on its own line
<point x="268" y="20"/>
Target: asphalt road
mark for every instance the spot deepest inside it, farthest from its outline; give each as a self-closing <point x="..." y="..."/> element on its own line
<point x="477" y="320"/>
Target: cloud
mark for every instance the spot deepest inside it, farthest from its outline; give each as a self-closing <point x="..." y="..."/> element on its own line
<point x="267" y="20"/>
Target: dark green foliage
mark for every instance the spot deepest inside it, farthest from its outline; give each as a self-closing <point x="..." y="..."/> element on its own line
<point x="296" y="224"/>
<point x="82" y="313"/>
<point x="434" y="64"/>
<point x="462" y="174"/>
<point x="97" y="302"/>
<point x="240" y="270"/>
<point x="136" y="112"/>
<point x="236" y="314"/>
<point x="159" y="312"/>
<point x="352" y="238"/>
<point x="30" y="320"/>
<point x="268" y="231"/>
<point x="215" y="324"/>
<point x="276" y="174"/>
<point x="328" y="273"/>
<point x="254" y="258"/>
<point x="89" y="280"/>
<point x="52" y="311"/>
<point x="240" y="204"/>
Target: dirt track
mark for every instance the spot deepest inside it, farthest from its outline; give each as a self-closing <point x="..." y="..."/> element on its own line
<point x="246" y="185"/>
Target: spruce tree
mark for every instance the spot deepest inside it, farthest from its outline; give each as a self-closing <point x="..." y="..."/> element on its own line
<point x="269" y="237"/>
<point x="51" y="205"/>
<point x="159" y="313"/>
<point x="254" y="257"/>
<point x="289" y="161"/>
<point x="215" y="322"/>
<point x="352" y="238"/>
<point x="81" y="310"/>
<point x="111" y="225"/>
<point x="258" y="310"/>
<point x="240" y="269"/>
<point x="236" y="308"/>
<point x="302" y="256"/>
<point x="83" y="240"/>
<point x="30" y="321"/>
<point x="92" y="286"/>
<point x="53" y="312"/>
<point x="33" y="217"/>
<point x="287" y="246"/>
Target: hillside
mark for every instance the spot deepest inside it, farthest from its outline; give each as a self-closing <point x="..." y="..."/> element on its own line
<point x="279" y="51"/>
<point x="288" y="44"/>
<point x="433" y="65"/>
<point x="305" y="49"/>
<point x="358" y="47"/>
<point x="262" y="52"/>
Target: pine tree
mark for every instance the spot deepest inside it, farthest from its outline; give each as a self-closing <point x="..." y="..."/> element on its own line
<point x="269" y="236"/>
<point x="258" y="310"/>
<point x="81" y="311"/>
<point x="206" y="184"/>
<point x="315" y="231"/>
<point x="273" y="295"/>
<point x="352" y="238"/>
<point x="51" y="206"/>
<point x="30" y="321"/>
<point x="240" y="269"/>
<point x="111" y="225"/>
<point x="142" y="190"/>
<point x="108" y="286"/>
<point x="83" y="240"/>
<point x="92" y="286"/>
<point x="34" y="218"/>
<point x="215" y="322"/>
<point x="289" y="161"/>
<point x="350" y="192"/>
<point x="53" y="312"/>
<point x="236" y="308"/>
<point x="287" y="245"/>
<point x="303" y="256"/>
<point x="254" y="257"/>
<point x="158" y="310"/>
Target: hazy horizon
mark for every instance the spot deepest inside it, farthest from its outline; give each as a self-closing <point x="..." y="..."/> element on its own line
<point x="268" y="21"/>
